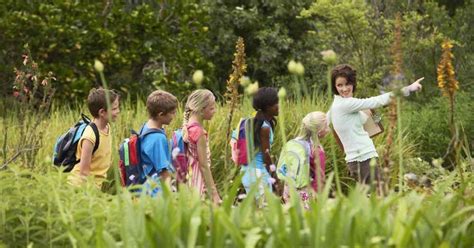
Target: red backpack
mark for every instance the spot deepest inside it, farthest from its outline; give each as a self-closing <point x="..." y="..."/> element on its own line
<point x="131" y="169"/>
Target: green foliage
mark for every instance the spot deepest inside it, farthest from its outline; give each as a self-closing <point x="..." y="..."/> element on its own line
<point x="141" y="47"/>
<point x="428" y="124"/>
<point x="350" y="29"/>
<point x="272" y="33"/>
<point x="145" y="44"/>
<point x="40" y="209"/>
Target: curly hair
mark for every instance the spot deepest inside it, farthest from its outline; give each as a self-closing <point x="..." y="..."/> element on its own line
<point x="345" y="71"/>
<point x="265" y="98"/>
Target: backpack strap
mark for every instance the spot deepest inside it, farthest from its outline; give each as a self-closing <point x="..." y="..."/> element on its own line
<point x="97" y="136"/>
<point x="149" y="131"/>
<point x="141" y="136"/>
<point x="152" y="130"/>
<point x="194" y="124"/>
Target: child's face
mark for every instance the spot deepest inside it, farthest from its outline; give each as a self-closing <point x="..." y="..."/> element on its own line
<point x="209" y="111"/>
<point x="167" y="118"/>
<point x="114" y="112"/>
<point x="274" y="110"/>
<point x="325" y="130"/>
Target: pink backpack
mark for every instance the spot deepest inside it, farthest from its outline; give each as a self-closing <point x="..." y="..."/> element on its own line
<point x="238" y="142"/>
<point x="178" y="151"/>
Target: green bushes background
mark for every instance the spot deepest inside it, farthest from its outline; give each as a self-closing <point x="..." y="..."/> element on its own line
<point x="158" y="44"/>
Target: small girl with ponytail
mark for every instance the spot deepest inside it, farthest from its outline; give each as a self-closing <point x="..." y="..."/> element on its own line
<point x="261" y="168"/>
<point x="200" y="106"/>
<point x="314" y="127"/>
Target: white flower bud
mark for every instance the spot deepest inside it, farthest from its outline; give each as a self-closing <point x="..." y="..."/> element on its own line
<point x="282" y="93"/>
<point x="329" y="56"/>
<point x="292" y="66"/>
<point x="299" y="69"/>
<point x="245" y="81"/>
<point x="198" y="76"/>
<point x="252" y="88"/>
<point x="98" y="66"/>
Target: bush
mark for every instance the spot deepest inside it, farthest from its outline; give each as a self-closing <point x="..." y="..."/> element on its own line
<point x="428" y="123"/>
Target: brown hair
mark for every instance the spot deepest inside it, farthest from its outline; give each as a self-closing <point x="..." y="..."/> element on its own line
<point x="160" y="101"/>
<point x="96" y="100"/>
<point x="345" y="71"/>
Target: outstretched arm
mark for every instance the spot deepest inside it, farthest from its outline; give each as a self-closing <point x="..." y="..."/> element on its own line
<point x="356" y="104"/>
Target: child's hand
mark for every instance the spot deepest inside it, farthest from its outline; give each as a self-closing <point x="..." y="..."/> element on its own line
<point x="216" y="198"/>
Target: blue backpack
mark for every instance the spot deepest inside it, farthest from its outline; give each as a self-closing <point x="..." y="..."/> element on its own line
<point x="64" y="154"/>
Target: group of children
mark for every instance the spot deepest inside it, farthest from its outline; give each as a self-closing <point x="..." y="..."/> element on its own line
<point x="156" y="154"/>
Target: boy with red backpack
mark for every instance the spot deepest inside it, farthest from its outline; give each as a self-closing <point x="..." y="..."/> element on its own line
<point x="150" y="148"/>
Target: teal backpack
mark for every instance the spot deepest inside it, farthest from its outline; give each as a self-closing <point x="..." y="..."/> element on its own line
<point x="294" y="162"/>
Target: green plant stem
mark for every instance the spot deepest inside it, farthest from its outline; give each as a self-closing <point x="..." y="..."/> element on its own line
<point x="333" y="145"/>
<point x="281" y="119"/>
<point x="109" y="113"/>
<point x="399" y="137"/>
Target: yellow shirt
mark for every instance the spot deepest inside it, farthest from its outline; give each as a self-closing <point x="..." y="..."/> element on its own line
<point x="101" y="158"/>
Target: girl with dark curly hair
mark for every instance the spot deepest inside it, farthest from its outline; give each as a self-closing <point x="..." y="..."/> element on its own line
<point x="265" y="102"/>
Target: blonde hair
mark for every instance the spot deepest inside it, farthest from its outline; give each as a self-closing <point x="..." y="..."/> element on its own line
<point x="197" y="101"/>
<point x="160" y="101"/>
<point x="312" y="124"/>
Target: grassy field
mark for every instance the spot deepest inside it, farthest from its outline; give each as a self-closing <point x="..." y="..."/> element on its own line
<point x="38" y="208"/>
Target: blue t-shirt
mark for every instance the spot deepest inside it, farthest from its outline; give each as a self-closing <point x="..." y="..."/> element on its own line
<point x="258" y="160"/>
<point x="155" y="152"/>
<point x="249" y="178"/>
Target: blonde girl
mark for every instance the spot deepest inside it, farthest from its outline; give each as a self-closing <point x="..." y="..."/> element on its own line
<point x="200" y="106"/>
<point x="314" y="127"/>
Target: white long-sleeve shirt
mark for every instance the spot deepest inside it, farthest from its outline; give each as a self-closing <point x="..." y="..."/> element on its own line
<point x="348" y="119"/>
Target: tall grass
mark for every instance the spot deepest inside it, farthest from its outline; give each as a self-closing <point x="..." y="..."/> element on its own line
<point x="40" y="209"/>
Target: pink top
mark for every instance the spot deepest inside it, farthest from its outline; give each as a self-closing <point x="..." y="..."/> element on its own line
<point x="195" y="131"/>
<point x="314" y="175"/>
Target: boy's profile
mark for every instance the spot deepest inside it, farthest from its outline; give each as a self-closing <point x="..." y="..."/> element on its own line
<point x="98" y="163"/>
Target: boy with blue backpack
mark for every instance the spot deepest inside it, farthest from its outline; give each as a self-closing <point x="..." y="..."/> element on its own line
<point x="150" y="162"/>
<point x="93" y="155"/>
